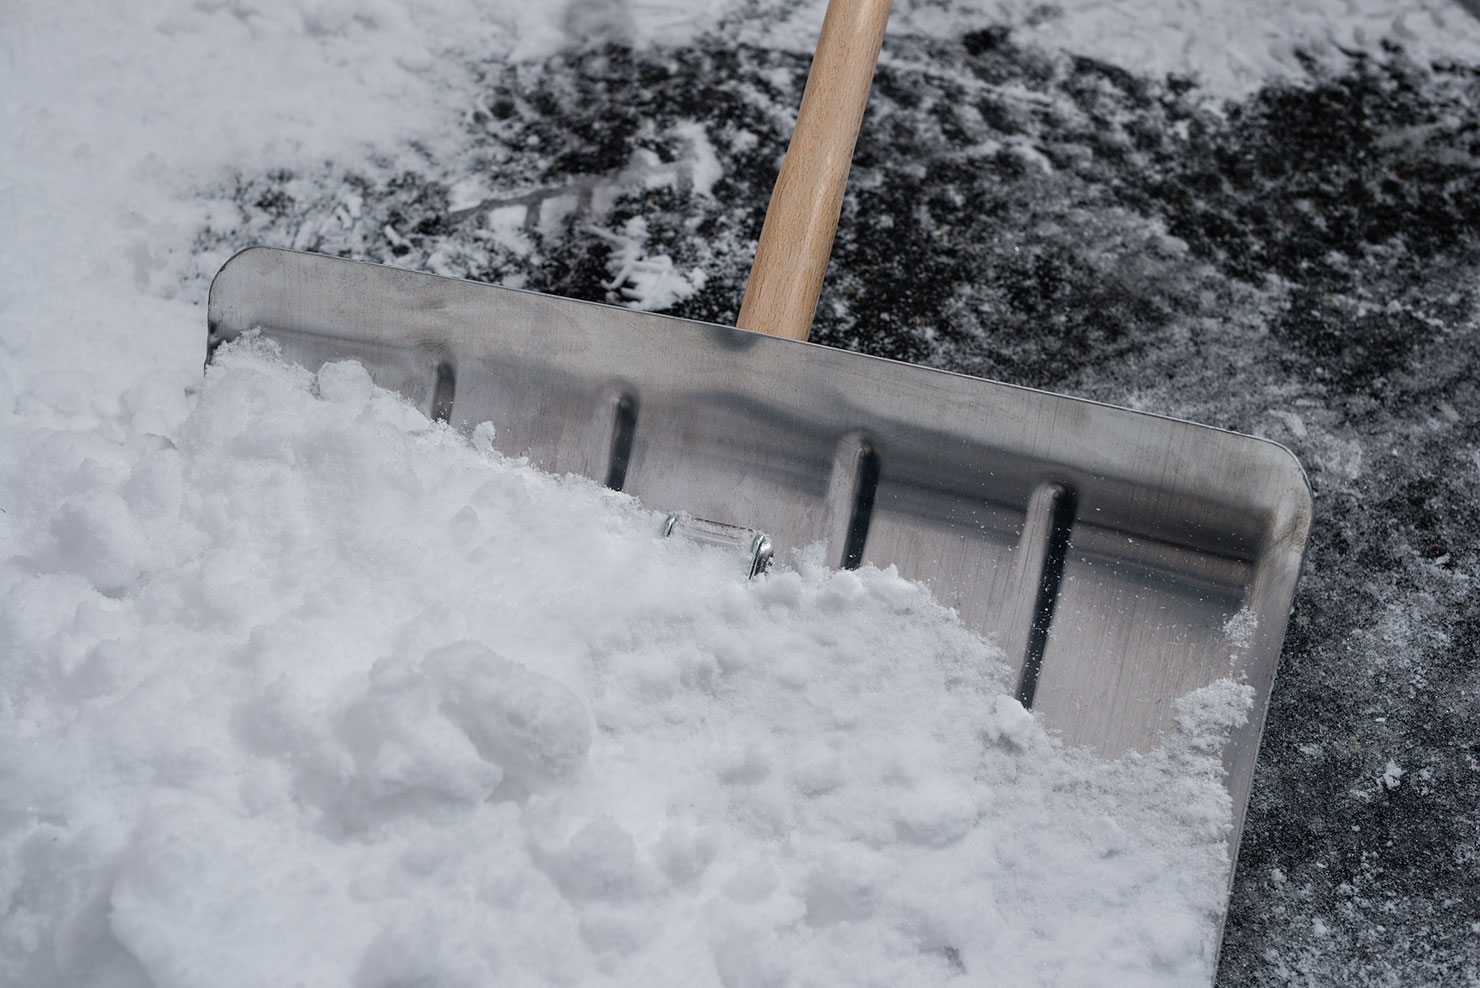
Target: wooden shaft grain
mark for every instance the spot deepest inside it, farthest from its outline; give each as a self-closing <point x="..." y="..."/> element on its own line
<point x="797" y="237"/>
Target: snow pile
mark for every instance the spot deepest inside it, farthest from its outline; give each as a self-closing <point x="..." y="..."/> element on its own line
<point x="307" y="690"/>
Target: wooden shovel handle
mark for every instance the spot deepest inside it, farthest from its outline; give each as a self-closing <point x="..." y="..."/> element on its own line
<point x="797" y="237"/>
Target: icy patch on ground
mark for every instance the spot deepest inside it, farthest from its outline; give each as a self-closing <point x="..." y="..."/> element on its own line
<point x="301" y="688"/>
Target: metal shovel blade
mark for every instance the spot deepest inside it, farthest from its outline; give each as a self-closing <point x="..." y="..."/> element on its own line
<point x="1122" y="559"/>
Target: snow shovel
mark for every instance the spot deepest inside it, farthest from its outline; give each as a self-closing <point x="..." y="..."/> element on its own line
<point x="1122" y="559"/>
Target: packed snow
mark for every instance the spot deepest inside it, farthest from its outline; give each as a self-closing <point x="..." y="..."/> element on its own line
<point x="297" y="687"/>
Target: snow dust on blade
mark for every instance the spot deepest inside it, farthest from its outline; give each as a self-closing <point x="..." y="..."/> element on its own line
<point x="1109" y="549"/>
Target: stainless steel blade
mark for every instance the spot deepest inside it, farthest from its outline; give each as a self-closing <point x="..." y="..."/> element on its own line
<point x="1113" y="553"/>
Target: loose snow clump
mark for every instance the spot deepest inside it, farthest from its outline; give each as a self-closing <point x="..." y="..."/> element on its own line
<point x="313" y="691"/>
